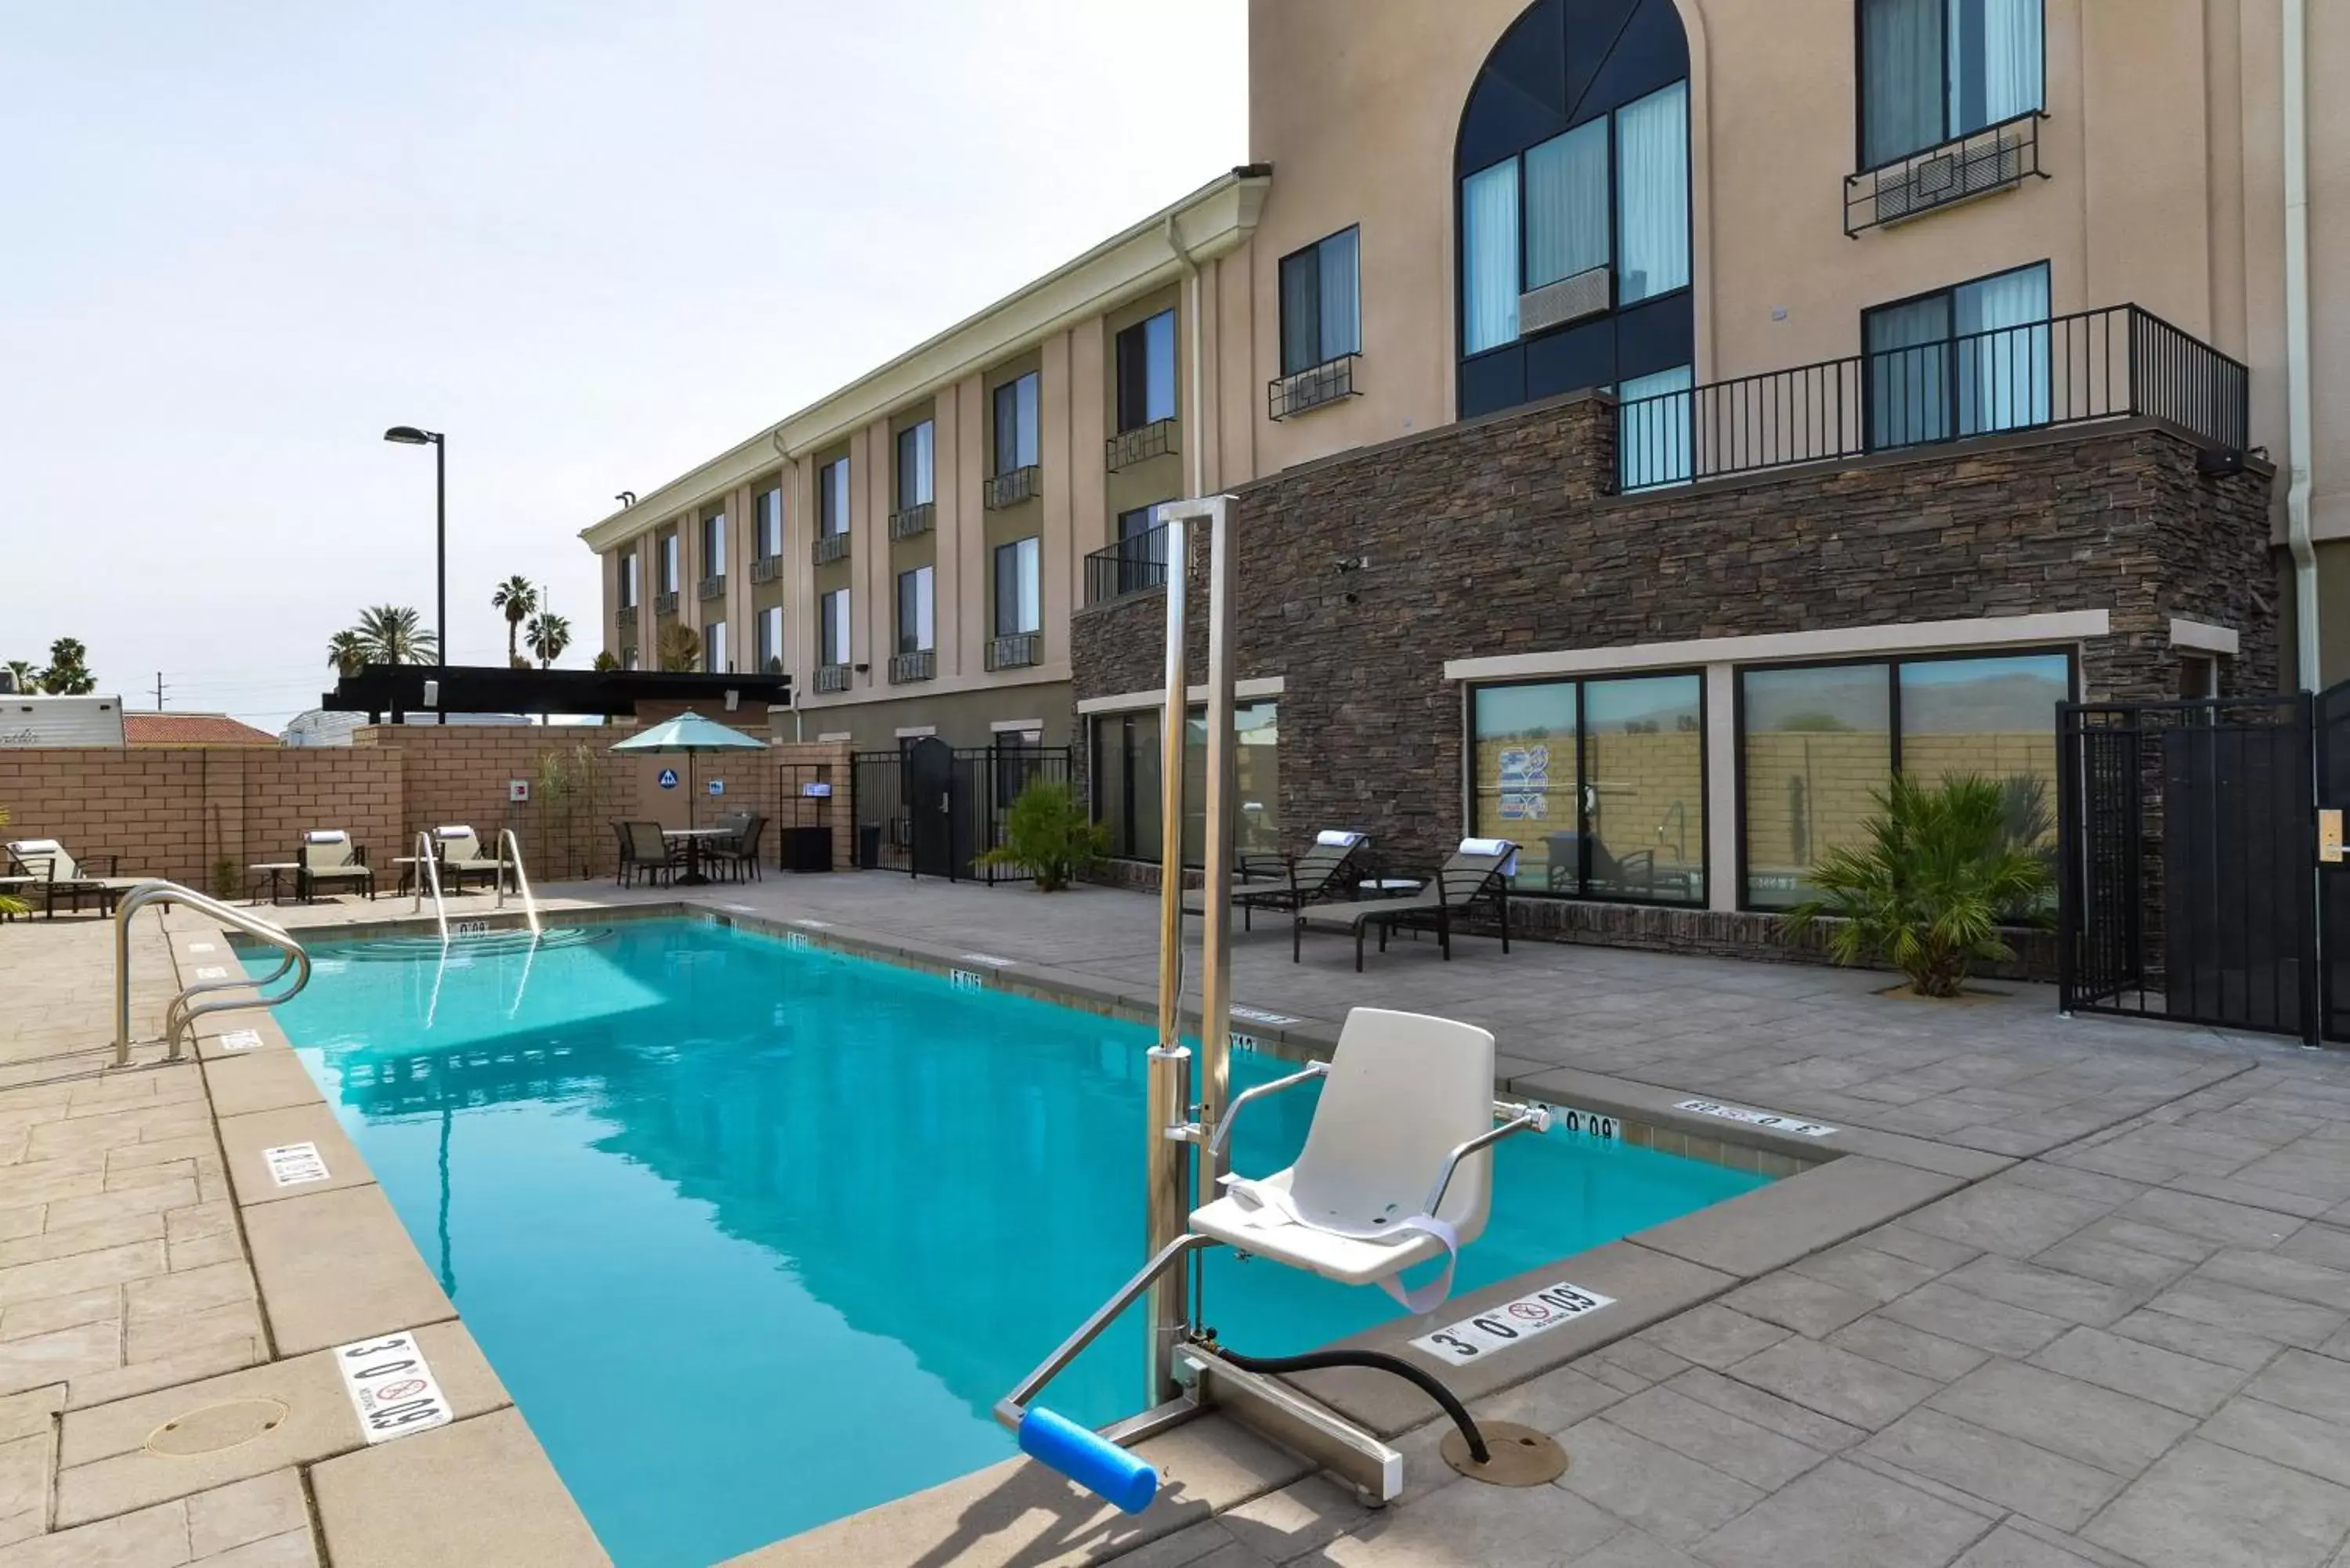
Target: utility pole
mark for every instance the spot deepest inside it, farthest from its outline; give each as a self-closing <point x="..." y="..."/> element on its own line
<point x="159" y="690"/>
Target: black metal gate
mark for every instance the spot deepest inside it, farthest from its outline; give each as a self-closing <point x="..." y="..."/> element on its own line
<point x="2187" y="838"/>
<point x="932" y="810"/>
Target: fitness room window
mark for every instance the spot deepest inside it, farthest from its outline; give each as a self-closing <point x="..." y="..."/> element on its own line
<point x="1961" y="361"/>
<point x="1816" y="744"/>
<point x="1127" y="774"/>
<point x="1602" y="781"/>
<point x="1935" y="70"/>
<point x="1321" y="313"/>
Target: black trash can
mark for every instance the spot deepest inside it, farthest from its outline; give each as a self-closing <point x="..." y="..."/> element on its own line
<point x="869" y="847"/>
<point x="807" y="849"/>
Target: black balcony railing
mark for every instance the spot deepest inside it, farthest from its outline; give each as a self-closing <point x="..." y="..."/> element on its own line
<point x="2114" y="363"/>
<point x="1134" y="565"/>
<point x="921" y="665"/>
<point x="625" y="617"/>
<point x="766" y="568"/>
<point x="665" y="603"/>
<point x="1992" y="158"/>
<point x="1139" y="444"/>
<point x="1014" y="650"/>
<point x="832" y="677"/>
<point x="1324" y="383"/>
<point x="830" y="547"/>
<point x="713" y="586"/>
<point x="1011" y="488"/>
<point x="911" y="522"/>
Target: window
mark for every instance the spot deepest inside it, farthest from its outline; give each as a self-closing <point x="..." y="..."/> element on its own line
<point x="1489" y="239"/>
<point x="1652" y="245"/>
<point x="2199" y="677"/>
<point x="1127" y="771"/>
<point x="1142" y="551"/>
<point x="1019" y="587"/>
<point x="714" y="649"/>
<point x="1126" y="783"/>
<point x="1961" y="361"/>
<point x="914" y="466"/>
<point x="1146" y="372"/>
<point x="628" y="658"/>
<point x="1566" y="204"/>
<point x="834" y="610"/>
<point x="714" y="544"/>
<point x="914" y="628"/>
<point x="1653" y="438"/>
<point x="1817" y="744"/>
<point x="1602" y="781"/>
<point x="1321" y="315"/>
<point x="627" y="583"/>
<point x="1016" y="424"/>
<point x="771" y="640"/>
<point x="767" y="520"/>
<point x="668" y="564"/>
<point x="832" y="497"/>
<point x="1934" y="71"/>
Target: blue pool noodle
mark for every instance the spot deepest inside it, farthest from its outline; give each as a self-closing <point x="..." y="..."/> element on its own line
<point x="1093" y="1461"/>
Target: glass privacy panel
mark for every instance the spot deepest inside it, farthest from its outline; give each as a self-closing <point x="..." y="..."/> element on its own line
<point x="1522" y="779"/>
<point x="1816" y="747"/>
<point x="1644" y="790"/>
<point x="1993" y="717"/>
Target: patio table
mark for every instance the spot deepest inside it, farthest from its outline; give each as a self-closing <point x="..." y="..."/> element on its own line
<point x="693" y="838"/>
<point x="275" y="870"/>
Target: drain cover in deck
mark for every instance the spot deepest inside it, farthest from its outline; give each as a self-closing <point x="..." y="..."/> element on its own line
<point x="212" y="1427"/>
<point x="1522" y="1456"/>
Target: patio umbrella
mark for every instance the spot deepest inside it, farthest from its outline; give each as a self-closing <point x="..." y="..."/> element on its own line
<point x="692" y="734"/>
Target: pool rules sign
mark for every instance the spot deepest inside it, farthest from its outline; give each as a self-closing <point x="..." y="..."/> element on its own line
<point x="390" y="1386"/>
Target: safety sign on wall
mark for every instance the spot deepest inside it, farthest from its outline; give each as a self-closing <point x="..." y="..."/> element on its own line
<point x="669" y="778"/>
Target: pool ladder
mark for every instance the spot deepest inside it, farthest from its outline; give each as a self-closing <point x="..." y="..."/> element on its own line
<point x="507" y="842"/>
<point x="428" y="871"/>
<point x="180" y="1017"/>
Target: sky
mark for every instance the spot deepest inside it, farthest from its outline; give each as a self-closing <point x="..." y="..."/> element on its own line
<point x="594" y="243"/>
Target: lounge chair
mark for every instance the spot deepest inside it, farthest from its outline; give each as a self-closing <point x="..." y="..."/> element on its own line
<point x="1327" y="869"/>
<point x="460" y="848"/>
<point x="58" y="875"/>
<point x="1477" y="872"/>
<point x="331" y="860"/>
<point x="644" y="852"/>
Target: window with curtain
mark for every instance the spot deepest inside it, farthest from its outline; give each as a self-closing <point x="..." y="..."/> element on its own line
<point x="1321" y="315"/>
<point x="668" y="564"/>
<point x="1934" y="71"/>
<point x="714" y="544"/>
<point x="1019" y="587"/>
<point x="1653" y="438"/>
<point x="714" y="649"/>
<point x="1488" y="267"/>
<point x="1566" y="204"/>
<point x="767" y="519"/>
<point x="1016" y="425"/>
<point x="832" y="497"/>
<point x="915" y="449"/>
<point x="628" y="585"/>
<point x="832" y="610"/>
<point x="771" y="640"/>
<point x="915" y="631"/>
<point x="1146" y="372"/>
<point x="1652" y="240"/>
<point x="1961" y="361"/>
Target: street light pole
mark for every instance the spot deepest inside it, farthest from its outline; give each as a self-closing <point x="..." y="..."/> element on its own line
<point x="411" y="435"/>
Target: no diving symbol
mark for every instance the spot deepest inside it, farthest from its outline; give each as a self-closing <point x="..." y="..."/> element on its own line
<point x="1532" y="1312"/>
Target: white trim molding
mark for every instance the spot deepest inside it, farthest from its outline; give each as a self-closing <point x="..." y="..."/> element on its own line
<point x="916" y="732"/>
<point x="832" y="737"/>
<point x="1128" y="701"/>
<point x="1016" y="727"/>
<point x="1842" y="642"/>
<point x="2204" y="638"/>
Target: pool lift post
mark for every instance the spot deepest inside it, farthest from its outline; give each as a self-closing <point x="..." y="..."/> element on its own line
<point x="1190" y="1374"/>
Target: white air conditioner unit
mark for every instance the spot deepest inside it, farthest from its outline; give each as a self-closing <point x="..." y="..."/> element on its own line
<point x="1573" y="298"/>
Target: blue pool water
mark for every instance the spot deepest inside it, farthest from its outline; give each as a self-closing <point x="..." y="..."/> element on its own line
<point x="757" y="1235"/>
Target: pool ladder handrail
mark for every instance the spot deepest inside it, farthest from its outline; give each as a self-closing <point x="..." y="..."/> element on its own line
<point x="428" y="868"/>
<point x="180" y="1017"/>
<point x="507" y="841"/>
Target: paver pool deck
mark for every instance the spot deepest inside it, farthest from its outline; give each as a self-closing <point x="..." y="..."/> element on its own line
<point x="2077" y="1291"/>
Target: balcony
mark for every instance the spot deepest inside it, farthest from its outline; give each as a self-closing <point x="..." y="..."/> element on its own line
<point x="625" y="617"/>
<point x="766" y="568"/>
<point x="831" y="547"/>
<point x="665" y="603"/>
<point x="2120" y="362"/>
<point x="912" y="521"/>
<point x="1328" y="382"/>
<point x="1011" y="489"/>
<point x="1997" y="157"/>
<point x="1140" y="444"/>
<point x="713" y="587"/>
<point x="907" y="668"/>
<point x="832" y="677"/>
<point x="1016" y="651"/>
<point x="1132" y="565"/>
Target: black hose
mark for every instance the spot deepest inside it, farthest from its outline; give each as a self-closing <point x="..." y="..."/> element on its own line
<point x="1314" y="1361"/>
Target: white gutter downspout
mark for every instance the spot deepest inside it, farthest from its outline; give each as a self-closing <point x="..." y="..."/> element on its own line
<point x="2302" y="481"/>
<point x="791" y="466"/>
<point x="1196" y="436"/>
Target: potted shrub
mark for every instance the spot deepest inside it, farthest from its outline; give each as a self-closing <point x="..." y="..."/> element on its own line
<point x="1942" y="866"/>
<point x="1049" y="835"/>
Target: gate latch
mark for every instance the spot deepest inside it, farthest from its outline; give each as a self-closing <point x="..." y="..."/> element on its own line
<point x="2329" y="836"/>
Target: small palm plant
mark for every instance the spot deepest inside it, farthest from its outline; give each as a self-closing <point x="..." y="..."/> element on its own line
<point x="10" y="905"/>
<point x="1928" y="889"/>
<point x="1048" y="833"/>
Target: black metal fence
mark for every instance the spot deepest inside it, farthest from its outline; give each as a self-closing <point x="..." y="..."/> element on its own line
<point x="1132" y="565"/>
<point x="932" y="810"/>
<point x="2112" y="363"/>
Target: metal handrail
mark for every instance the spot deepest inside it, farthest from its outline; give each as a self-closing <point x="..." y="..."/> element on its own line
<point x="180" y="1017"/>
<point x="428" y="866"/>
<point x="522" y="878"/>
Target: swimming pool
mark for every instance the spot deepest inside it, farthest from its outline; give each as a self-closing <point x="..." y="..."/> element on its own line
<point x="756" y="1234"/>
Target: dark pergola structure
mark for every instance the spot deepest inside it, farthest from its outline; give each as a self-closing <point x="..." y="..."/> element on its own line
<point x="397" y="690"/>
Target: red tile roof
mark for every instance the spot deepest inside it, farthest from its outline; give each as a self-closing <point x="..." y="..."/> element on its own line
<point x="191" y="730"/>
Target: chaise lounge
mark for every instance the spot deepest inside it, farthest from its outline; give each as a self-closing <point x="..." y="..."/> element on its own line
<point x="1326" y="870"/>
<point x="1477" y="873"/>
<point x="57" y="874"/>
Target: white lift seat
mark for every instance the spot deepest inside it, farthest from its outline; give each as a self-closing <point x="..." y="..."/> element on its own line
<point x="1401" y="1093"/>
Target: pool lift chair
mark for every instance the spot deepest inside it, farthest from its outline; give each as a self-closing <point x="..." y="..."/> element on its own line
<point x="1396" y="1171"/>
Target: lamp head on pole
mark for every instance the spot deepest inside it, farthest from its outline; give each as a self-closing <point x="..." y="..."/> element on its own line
<point x="409" y="435"/>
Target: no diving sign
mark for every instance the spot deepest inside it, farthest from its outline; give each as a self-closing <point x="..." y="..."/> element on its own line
<point x="1474" y="1338"/>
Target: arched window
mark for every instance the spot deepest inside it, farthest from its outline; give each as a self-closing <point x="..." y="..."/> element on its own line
<point x="1573" y="169"/>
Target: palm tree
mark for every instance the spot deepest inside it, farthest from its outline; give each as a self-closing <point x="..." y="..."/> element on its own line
<point x="69" y="672"/>
<point x="518" y="596"/>
<point x="679" y="647"/>
<point x="391" y="634"/>
<point x="550" y="635"/>
<point x="347" y="653"/>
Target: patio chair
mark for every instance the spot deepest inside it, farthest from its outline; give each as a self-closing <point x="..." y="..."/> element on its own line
<point x="739" y="854"/>
<point x="58" y="875"/>
<point x="460" y="848"/>
<point x="644" y="852"/>
<point x="1327" y="869"/>
<point x="1479" y="871"/>
<point x="331" y="860"/>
